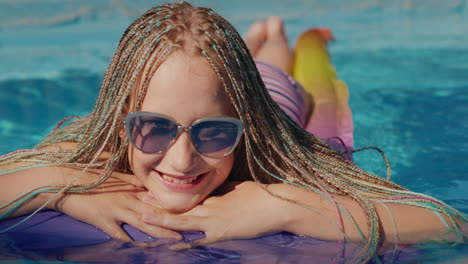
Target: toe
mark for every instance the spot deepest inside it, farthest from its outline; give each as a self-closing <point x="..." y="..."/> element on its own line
<point x="255" y="37"/>
<point x="275" y="28"/>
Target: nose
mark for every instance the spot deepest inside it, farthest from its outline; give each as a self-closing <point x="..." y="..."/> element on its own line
<point x="181" y="157"/>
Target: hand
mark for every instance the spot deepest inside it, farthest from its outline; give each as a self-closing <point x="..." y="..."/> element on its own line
<point x="118" y="200"/>
<point x="246" y="211"/>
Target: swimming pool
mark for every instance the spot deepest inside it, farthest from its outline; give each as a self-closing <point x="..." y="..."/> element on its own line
<point x="405" y="63"/>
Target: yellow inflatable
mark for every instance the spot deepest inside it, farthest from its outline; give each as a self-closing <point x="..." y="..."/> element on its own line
<point x="331" y="115"/>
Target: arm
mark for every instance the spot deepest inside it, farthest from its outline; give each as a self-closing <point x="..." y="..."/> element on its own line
<point x="16" y="183"/>
<point x="400" y="223"/>
<point x="114" y="202"/>
<point x="248" y="211"/>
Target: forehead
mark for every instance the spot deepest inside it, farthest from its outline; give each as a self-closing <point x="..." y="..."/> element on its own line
<point x="186" y="84"/>
<point x="180" y="66"/>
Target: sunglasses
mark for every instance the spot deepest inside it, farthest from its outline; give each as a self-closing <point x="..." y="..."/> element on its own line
<point x="214" y="137"/>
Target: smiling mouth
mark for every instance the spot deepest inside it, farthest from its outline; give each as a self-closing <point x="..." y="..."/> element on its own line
<point x="179" y="181"/>
<point x="182" y="181"/>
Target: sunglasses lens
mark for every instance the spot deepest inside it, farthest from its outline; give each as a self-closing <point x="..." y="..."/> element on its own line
<point x="151" y="134"/>
<point x="215" y="138"/>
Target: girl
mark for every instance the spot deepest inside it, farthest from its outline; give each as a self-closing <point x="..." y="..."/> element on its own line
<point x="182" y="110"/>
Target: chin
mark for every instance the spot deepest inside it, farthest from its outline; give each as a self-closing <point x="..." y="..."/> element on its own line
<point x="178" y="207"/>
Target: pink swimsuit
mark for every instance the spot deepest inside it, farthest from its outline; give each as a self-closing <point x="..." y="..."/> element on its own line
<point x="287" y="92"/>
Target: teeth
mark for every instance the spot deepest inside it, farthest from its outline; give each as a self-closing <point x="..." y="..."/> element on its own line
<point x="179" y="181"/>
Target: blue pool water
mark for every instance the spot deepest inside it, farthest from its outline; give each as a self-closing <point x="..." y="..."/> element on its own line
<point x="405" y="62"/>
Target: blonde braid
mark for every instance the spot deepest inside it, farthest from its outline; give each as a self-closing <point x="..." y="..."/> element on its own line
<point x="274" y="148"/>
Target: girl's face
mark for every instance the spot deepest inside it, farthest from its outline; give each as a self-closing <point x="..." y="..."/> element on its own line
<point x="186" y="89"/>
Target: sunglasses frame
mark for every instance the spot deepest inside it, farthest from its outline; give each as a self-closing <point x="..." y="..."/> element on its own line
<point x="181" y="129"/>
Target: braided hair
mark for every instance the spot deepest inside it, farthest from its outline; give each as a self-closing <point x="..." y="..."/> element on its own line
<point x="273" y="149"/>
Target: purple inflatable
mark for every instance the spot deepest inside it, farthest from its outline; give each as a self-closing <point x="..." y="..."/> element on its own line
<point x="52" y="236"/>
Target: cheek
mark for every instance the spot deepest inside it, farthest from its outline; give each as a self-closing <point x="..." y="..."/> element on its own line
<point x="224" y="168"/>
<point x="140" y="163"/>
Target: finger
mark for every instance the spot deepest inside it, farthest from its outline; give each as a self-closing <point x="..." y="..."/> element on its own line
<point x="174" y="222"/>
<point x="136" y="221"/>
<point x="132" y="215"/>
<point x="140" y="195"/>
<point x="150" y="195"/>
<point x="115" y="231"/>
<point x="149" y="199"/>
<point x="180" y="246"/>
<point x="204" y="241"/>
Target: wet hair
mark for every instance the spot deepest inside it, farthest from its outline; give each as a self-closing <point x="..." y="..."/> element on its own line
<point x="273" y="149"/>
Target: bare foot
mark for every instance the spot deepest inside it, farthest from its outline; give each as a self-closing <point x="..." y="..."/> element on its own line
<point x="275" y="49"/>
<point x="255" y="37"/>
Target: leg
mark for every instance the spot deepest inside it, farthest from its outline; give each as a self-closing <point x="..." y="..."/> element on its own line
<point x="255" y="37"/>
<point x="268" y="42"/>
